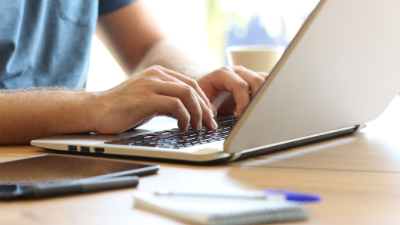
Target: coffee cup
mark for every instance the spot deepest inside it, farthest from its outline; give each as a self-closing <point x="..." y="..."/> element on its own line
<point x="256" y="58"/>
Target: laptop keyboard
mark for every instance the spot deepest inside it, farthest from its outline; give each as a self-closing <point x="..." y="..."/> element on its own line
<point x="176" y="139"/>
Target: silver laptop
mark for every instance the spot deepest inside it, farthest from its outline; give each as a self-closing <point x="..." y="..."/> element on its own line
<point x="341" y="71"/>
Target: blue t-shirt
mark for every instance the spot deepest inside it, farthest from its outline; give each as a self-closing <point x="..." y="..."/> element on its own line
<point x="47" y="42"/>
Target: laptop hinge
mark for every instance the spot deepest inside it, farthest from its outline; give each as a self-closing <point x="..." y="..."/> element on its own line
<point x="359" y="127"/>
<point x="235" y="156"/>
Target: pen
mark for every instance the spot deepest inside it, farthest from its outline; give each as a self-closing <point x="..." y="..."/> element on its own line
<point x="293" y="195"/>
<point x="264" y="195"/>
<point x="67" y="188"/>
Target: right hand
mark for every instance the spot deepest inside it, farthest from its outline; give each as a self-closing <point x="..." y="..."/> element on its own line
<point x="153" y="91"/>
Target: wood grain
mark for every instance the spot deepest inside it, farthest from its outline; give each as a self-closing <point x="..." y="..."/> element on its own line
<point x="358" y="177"/>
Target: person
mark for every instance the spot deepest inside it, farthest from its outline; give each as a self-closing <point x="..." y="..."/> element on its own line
<point x="46" y="44"/>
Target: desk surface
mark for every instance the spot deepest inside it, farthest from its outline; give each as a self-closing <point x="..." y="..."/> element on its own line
<point x="358" y="177"/>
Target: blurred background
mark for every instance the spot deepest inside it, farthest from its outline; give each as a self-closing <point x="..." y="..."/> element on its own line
<point x="205" y="28"/>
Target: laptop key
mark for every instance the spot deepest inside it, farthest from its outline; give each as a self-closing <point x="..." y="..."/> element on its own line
<point x="175" y="138"/>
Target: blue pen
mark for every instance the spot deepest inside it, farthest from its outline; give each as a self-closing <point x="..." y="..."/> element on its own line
<point x="264" y="195"/>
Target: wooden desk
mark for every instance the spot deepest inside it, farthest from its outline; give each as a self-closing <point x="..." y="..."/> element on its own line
<point x="358" y="177"/>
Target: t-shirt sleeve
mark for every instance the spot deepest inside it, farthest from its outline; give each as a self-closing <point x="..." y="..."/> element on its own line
<point x="107" y="6"/>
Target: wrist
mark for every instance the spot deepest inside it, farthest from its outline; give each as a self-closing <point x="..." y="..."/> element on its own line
<point x="92" y="106"/>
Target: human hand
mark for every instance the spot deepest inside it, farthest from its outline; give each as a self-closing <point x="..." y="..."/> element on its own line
<point x="152" y="92"/>
<point x="230" y="89"/>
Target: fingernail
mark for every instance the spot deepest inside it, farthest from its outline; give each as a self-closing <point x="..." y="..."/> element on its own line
<point x="199" y="126"/>
<point x="212" y="113"/>
<point x="214" y="124"/>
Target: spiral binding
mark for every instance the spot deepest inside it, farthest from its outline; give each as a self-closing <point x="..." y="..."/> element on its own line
<point x="260" y="216"/>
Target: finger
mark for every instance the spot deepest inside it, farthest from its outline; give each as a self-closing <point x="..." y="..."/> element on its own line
<point x="190" y="82"/>
<point x="264" y="75"/>
<point x="214" y="110"/>
<point x="252" y="78"/>
<point x="225" y="79"/>
<point x="171" y="105"/>
<point x="198" y="110"/>
<point x="207" y="116"/>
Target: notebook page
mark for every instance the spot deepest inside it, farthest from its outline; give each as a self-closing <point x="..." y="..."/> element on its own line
<point x="222" y="210"/>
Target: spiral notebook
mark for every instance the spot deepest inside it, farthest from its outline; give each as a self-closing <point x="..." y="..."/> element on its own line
<point x="217" y="211"/>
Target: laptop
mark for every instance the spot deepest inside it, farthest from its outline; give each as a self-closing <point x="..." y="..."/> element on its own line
<point x="340" y="72"/>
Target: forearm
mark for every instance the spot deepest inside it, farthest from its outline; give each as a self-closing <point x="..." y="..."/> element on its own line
<point x="134" y="39"/>
<point x="170" y="56"/>
<point x="25" y="116"/>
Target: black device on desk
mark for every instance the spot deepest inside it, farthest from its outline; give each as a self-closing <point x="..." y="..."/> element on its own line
<point x="51" y="175"/>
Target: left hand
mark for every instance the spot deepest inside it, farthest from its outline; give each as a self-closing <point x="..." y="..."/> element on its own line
<point x="230" y="89"/>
